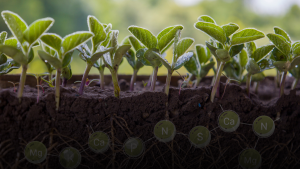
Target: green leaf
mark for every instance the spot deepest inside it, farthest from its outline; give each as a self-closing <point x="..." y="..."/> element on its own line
<point x="120" y="52"/>
<point x="167" y="47"/>
<point x="276" y="55"/>
<point x="3" y="59"/>
<point x="14" y="53"/>
<point x="282" y="65"/>
<point x="295" y="72"/>
<point x="281" y="32"/>
<point x="296" y="48"/>
<point x="67" y="72"/>
<point x="167" y="35"/>
<point x="99" y="54"/>
<point x="3" y="36"/>
<point x="243" y="58"/>
<point x="30" y="56"/>
<point x="212" y="30"/>
<point x="130" y="57"/>
<point x="182" y="46"/>
<point x="206" y="18"/>
<point x="98" y="30"/>
<point x="135" y="43"/>
<point x="144" y="36"/>
<point x="246" y="35"/>
<point x="250" y="47"/>
<point x="48" y="49"/>
<point x="52" y="40"/>
<point x="36" y="29"/>
<point x="150" y="57"/>
<point x="280" y="43"/>
<point x="258" y="77"/>
<point x="193" y="66"/>
<point x="67" y="59"/>
<point x="234" y="50"/>
<point x="182" y="60"/>
<point x="201" y="54"/>
<point x="262" y="52"/>
<point x="48" y="65"/>
<point x="163" y="60"/>
<point x="138" y="65"/>
<point x="206" y="68"/>
<point x="252" y="67"/>
<point x="107" y="40"/>
<point x="140" y="55"/>
<point x="8" y="66"/>
<point x="223" y="55"/>
<point x="265" y="64"/>
<point x="50" y="59"/>
<point x="295" y="62"/>
<point x="15" y="24"/>
<point x="212" y="49"/>
<point x="70" y="42"/>
<point x="230" y="28"/>
<point x="11" y="42"/>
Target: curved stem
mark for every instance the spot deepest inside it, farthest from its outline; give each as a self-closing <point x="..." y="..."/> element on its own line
<point x="282" y="83"/>
<point x="57" y="88"/>
<point x="217" y="81"/>
<point x="256" y="85"/>
<point x="198" y="79"/>
<point x="154" y="76"/>
<point x="133" y="79"/>
<point x="168" y="81"/>
<point x="84" y="77"/>
<point x="215" y="71"/>
<point x="295" y="83"/>
<point x="248" y="82"/>
<point x="22" y="82"/>
<point x="38" y="89"/>
<point x="114" y="77"/>
<point x="102" y="82"/>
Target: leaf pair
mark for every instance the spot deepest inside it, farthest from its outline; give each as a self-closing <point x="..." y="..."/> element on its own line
<point x="286" y="55"/>
<point x="63" y="47"/>
<point x="257" y="61"/>
<point x="131" y="55"/>
<point x="198" y="65"/>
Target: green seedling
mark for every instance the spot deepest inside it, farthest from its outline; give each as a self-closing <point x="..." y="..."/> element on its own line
<point x="14" y="84"/>
<point x="154" y="45"/>
<point x="200" y="64"/>
<point x="113" y="59"/>
<point x="37" y="77"/>
<point x="62" y="56"/>
<point x="132" y="57"/>
<point x="286" y="55"/>
<point x="88" y="82"/>
<point x="27" y="37"/>
<point x="145" y="84"/>
<point x="7" y="65"/>
<point x="91" y="57"/>
<point x="257" y="78"/>
<point x="295" y="72"/>
<point x="257" y="61"/>
<point x="226" y="43"/>
<point x="227" y="82"/>
<point x="49" y="82"/>
<point x="50" y="68"/>
<point x="180" y="57"/>
<point x="185" y="82"/>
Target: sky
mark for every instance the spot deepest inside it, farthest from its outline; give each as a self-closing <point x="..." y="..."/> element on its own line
<point x="267" y="7"/>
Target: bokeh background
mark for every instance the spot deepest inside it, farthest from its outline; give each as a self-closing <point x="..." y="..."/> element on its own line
<point x="71" y="15"/>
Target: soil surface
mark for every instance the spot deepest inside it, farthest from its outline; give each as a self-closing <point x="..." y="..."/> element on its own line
<point x="135" y="115"/>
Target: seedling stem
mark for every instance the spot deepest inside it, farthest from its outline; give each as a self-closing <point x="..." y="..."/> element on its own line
<point x="57" y="87"/>
<point x="248" y="82"/>
<point x="102" y="82"/>
<point x="154" y="76"/>
<point x="168" y="81"/>
<point x="114" y="77"/>
<point x="22" y="81"/>
<point x="133" y="79"/>
<point x="217" y="81"/>
<point x="282" y="83"/>
<point x="84" y="77"/>
<point x="295" y="84"/>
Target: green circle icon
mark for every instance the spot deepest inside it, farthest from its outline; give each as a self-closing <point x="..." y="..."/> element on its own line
<point x="250" y="159"/>
<point x="69" y="158"/>
<point x="164" y="131"/>
<point x="35" y="152"/>
<point x="199" y="136"/>
<point x="99" y="142"/>
<point x="229" y="121"/>
<point x="133" y="147"/>
<point x="263" y="126"/>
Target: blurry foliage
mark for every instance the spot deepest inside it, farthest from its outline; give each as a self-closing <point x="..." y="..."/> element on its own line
<point x="70" y="16"/>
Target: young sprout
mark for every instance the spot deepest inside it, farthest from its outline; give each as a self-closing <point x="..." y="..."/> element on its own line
<point x="154" y="44"/>
<point x="91" y="57"/>
<point x="180" y="57"/>
<point x="66" y="74"/>
<point x="27" y="37"/>
<point x="51" y="52"/>
<point x="114" y="58"/>
<point x="7" y="65"/>
<point x="295" y="72"/>
<point x="14" y="84"/>
<point x="87" y="82"/>
<point x="37" y="77"/>
<point x="286" y="55"/>
<point x="145" y="84"/>
<point x="199" y="65"/>
<point x="226" y="43"/>
<point x="132" y="57"/>
<point x="49" y="82"/>
<point x="257" y="78"/>
<point x="257" y="61"/>
<point x="62" y="57"/>
<point x="185" y="82"/>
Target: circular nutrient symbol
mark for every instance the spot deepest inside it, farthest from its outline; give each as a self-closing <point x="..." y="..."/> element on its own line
<point x="35" y="152"/>
<point x="199" y="136"/>
<point x="164" y="131"/>
<point x="263" y="126"/>
<point x="133" y="147"/>
<point x="69" y="158"/>
<point x="229" y="121"/>
<point x="99" y="142"/>
<point x="250" y="159"/>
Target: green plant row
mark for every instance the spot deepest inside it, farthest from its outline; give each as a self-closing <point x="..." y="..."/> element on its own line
<point x="234" y="52"/>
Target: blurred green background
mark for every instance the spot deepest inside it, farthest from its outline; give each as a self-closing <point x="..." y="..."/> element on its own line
<point x="70" y="16"/>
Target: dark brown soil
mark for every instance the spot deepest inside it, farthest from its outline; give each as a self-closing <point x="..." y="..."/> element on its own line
<point x="136" y="113"/>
